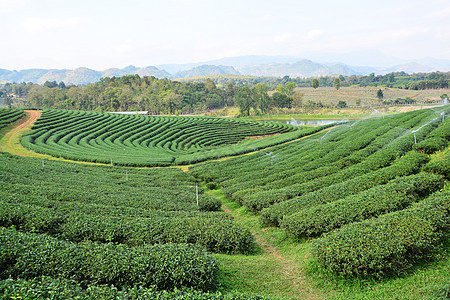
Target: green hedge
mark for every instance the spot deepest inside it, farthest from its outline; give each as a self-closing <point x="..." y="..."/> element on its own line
<point x="378" y="200"/>
<point x="59" y="289"/>
<point x="215" y="233"/>
<point x="431" y="145"/>
<point x="412" y="162"/>
<point x="389" y="244"/>
<point x="164" y="266"/>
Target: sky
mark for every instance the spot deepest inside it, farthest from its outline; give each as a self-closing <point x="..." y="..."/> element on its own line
<point x="102" y="34"/>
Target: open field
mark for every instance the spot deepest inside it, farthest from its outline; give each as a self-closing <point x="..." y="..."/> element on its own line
<point x="367" y="96"/>
<point x="357" y="211"/>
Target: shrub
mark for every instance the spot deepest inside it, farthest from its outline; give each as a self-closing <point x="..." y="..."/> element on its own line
<point x="378" y="200"/>
<point x="166" y="266"/>
<point x="431" y="145"/>
<point x="389" y="244"/>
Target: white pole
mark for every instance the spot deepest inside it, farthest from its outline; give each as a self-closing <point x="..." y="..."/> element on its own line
<point x="196" y="191"/>
<point x="415" y="140"/>
<point x="127" y="174"/>
<point x="111" y="162"/>
<point x="43" y="164"/>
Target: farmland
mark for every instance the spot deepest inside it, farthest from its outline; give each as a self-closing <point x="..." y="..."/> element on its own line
<point x="133" y="140"/>
<point x="310" y="213"/>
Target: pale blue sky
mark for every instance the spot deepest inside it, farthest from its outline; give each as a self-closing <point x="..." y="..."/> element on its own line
<point x="103" y="34"/>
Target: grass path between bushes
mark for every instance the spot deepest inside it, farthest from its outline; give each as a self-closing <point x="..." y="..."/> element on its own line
<point x="277" y="269"/>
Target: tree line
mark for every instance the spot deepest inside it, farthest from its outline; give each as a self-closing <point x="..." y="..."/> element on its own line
<point x="157" y="96"/>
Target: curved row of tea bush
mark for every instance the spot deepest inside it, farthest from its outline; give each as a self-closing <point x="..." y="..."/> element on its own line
<point x="375" y="158"/>
<point x="287" y="160"/>
<point x="9" y="115"/>
<point x="27" y="255"/>
<point x="135" y="140"/>
<point x="408" y="164"/>
<point x="388" y="244"/>
<point x="396" y="195"/>
<point x="61" y="289"/>
<point x="294" y="170"/>
<point x="112" y="204"/>
<point x="215" y="232"/>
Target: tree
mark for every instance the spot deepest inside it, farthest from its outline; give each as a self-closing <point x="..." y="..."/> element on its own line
<point x="281" y="100"/>
<point x="244" y="100"/>
<point x="297" y="99"/>
<point x="50" y="84"/>
<point x="380" y="95"/>
<point x="315" y="83"/>
<point x="341" y="104"/>
<point x="337" y="83"/>
<point x="290" y="86"/>
<point x="260" y="96"/>
<point x="8" y="101"/>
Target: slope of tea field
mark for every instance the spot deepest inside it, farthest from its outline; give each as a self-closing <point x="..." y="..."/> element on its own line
<point x="9" y="115"/>
<point x="71" y="230"/>
<point x="367" y="190"/>
<point x="135" y="140"/>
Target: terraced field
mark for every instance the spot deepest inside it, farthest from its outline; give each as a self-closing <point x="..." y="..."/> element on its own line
<point x="368" y="199"/>
<point x="134" y="140"/>
<point x="8" y="115"/>
<point x="334" y="183"/>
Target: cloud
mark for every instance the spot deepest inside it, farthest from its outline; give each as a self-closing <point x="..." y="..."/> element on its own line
<point x="12" y="5"/>
<point x="34" y="25"/>
<point x="315" y="33"/>
<point x="441" y="13"/>
<point x="284" y="37"/>
<point x="406" y="33"/>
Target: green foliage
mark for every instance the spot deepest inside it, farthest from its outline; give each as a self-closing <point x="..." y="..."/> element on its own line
<point x="380" y="94"/>
<point x="164" y="266"/>
<point x="107" y="204"/>
<point x="388" y="244"/>
<point x="376" y="201"/>
<point x="60" y="289"/>
<point x="9" y="115"/>
<point x="431" y="145"/>
<point x="410" y="163"/>
<point x="315" y="83"/>
<point x="133" y="140"/>
<point x="337" y="83"/>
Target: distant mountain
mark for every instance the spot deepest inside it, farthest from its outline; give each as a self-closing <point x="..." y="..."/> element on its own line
<point x="152" y="71"/>
<point x="206" y="70"/>
<point x="411" y="67"/>
<point x="256" y="65"/>
<point x="302" y="68"/>
<point x="76" y="76"/>
<point x="442" y="65"/>
<point x="231" y="61"/>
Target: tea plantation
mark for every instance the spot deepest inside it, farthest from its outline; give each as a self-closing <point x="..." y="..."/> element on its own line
<point x="371" y="198"/>
<point x="134" y="140"/>
<point x="8" y="115"/>
<point x="369" y="190"/>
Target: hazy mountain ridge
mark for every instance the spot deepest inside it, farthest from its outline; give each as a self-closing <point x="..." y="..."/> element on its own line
<point x="256" y="65"/>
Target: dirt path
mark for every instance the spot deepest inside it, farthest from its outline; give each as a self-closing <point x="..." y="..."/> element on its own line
<point x="11" y="139"/>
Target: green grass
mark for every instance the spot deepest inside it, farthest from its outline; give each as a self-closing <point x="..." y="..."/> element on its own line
<point x="276" y="271"/>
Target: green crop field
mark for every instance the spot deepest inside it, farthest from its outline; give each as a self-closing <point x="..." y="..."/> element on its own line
<point x="133" y="140"/>
<point x="8" y="115"/>
<point x="360" y="210"/>
<point x="368" y="192"/>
